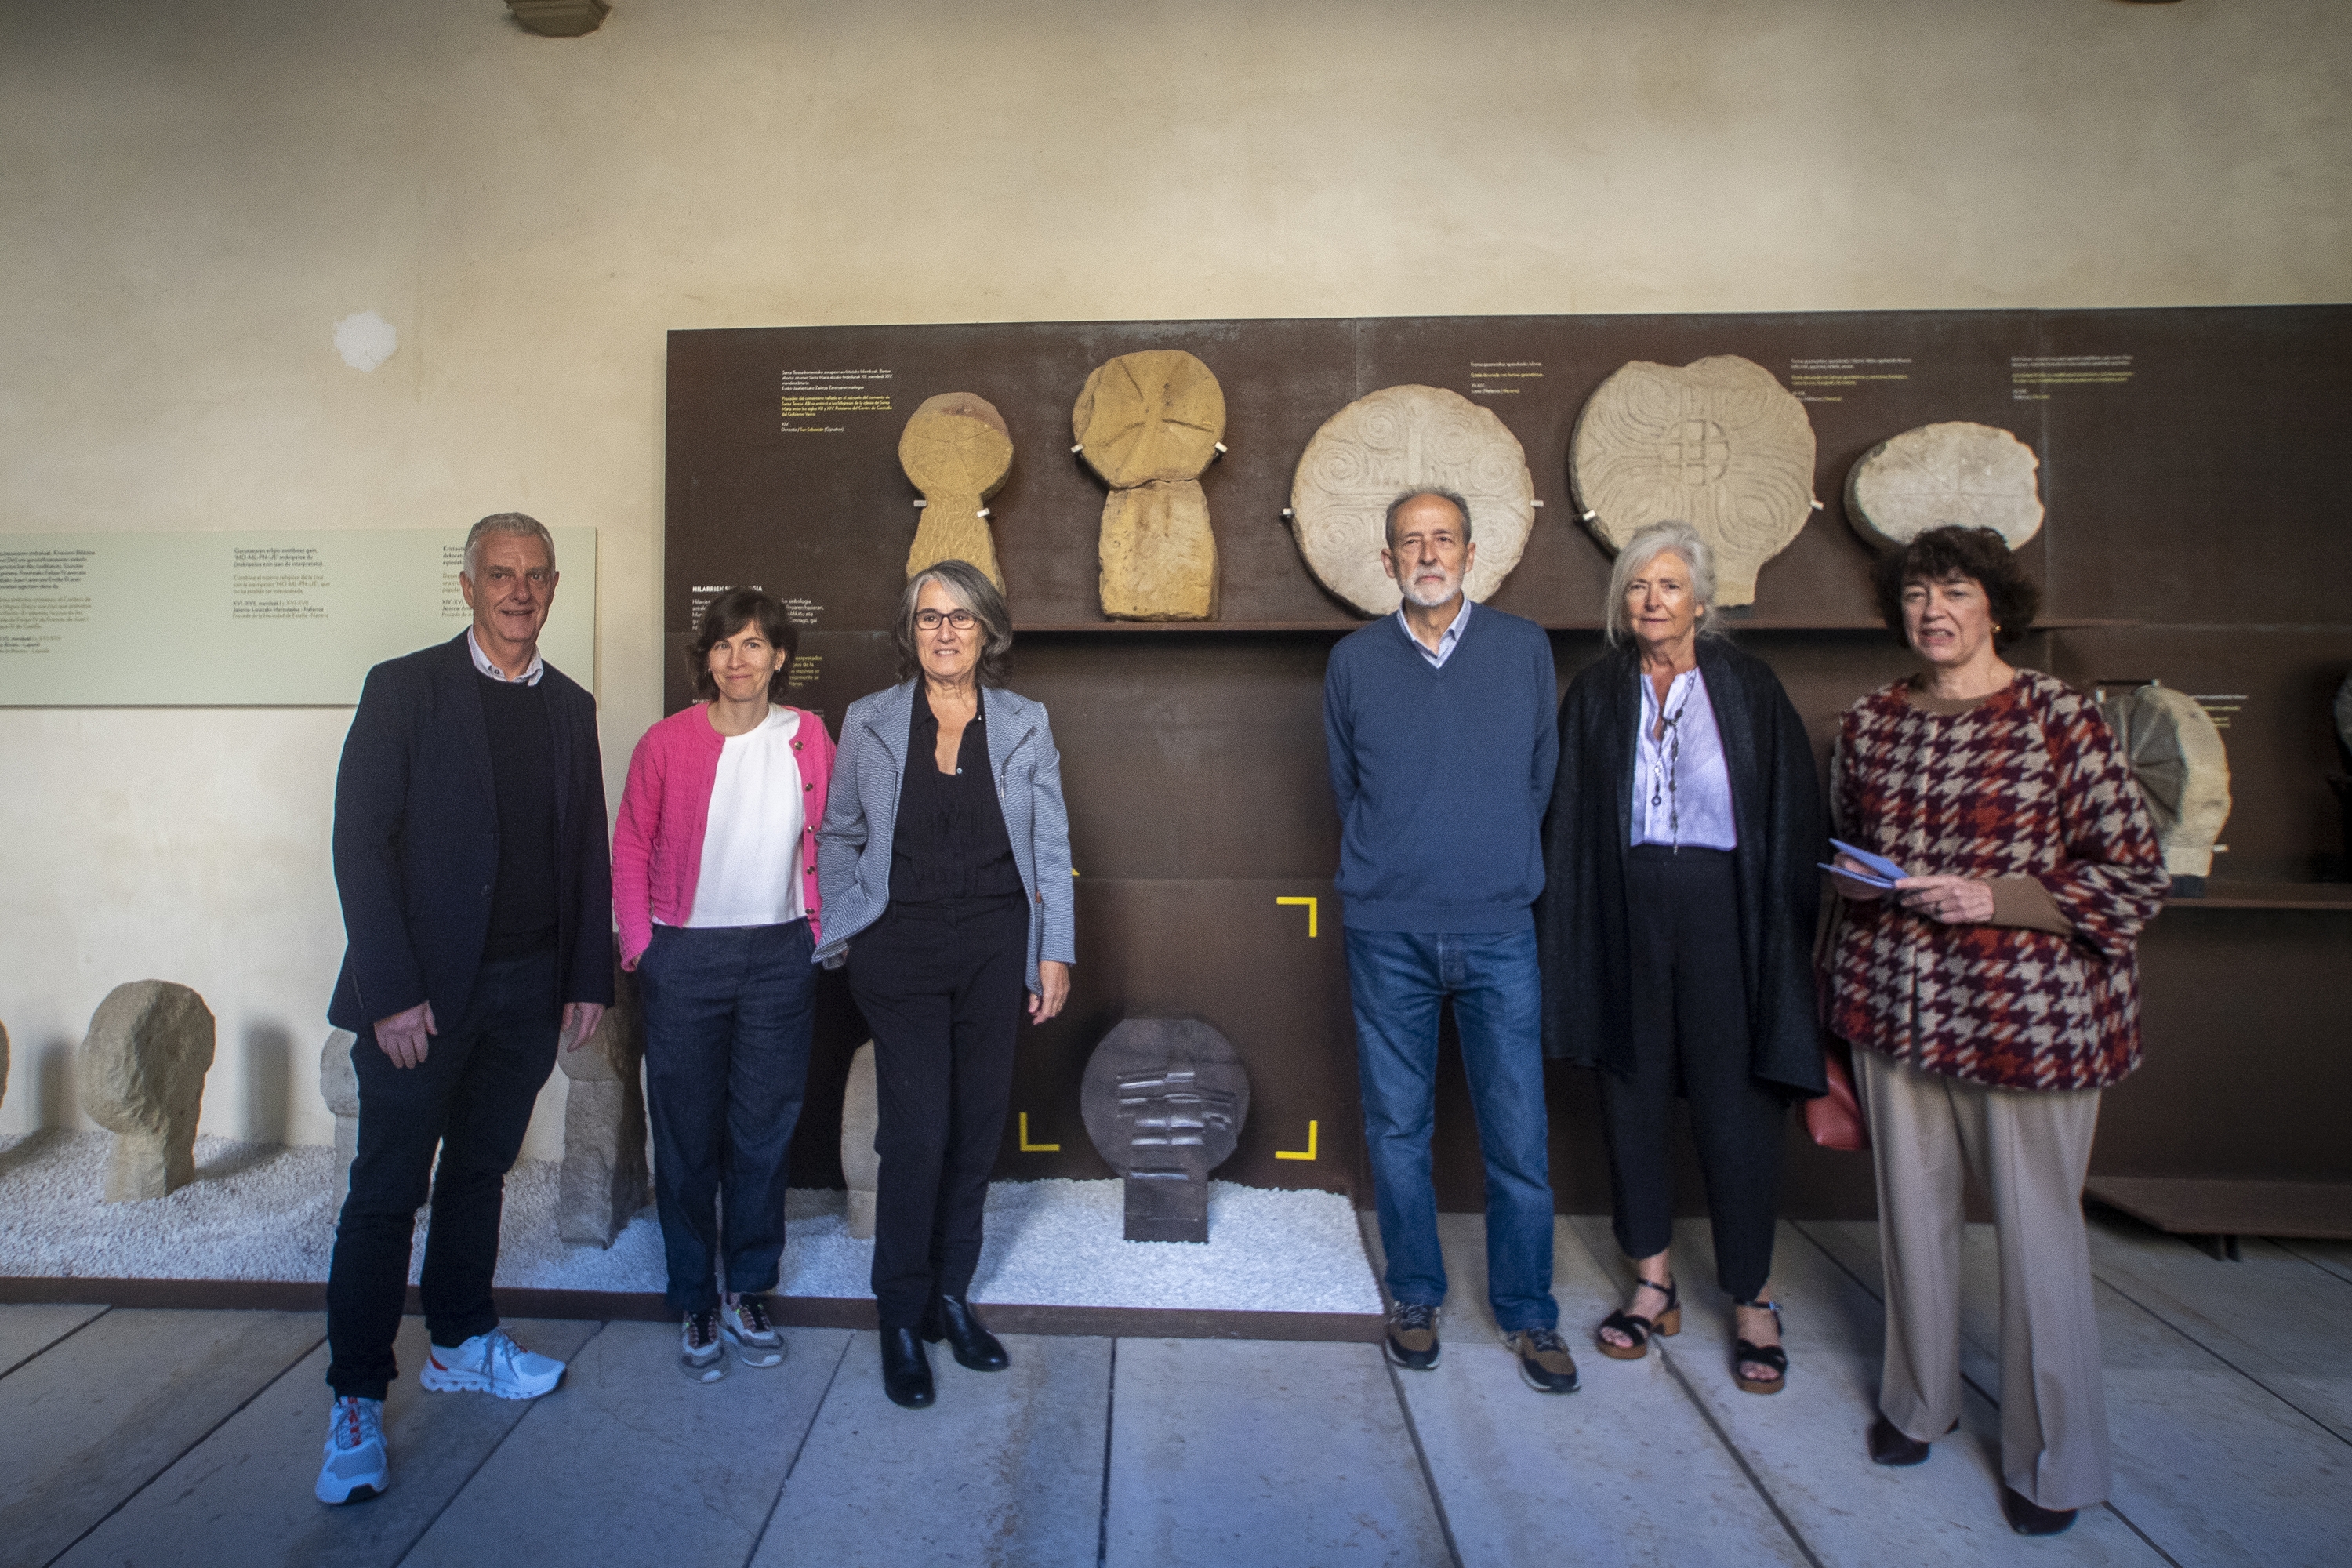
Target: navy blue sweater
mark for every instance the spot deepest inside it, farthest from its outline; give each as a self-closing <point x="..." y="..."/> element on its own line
<point x="1442" y="776"/>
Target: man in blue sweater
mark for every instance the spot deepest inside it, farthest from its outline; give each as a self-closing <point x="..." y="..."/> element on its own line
<point x="1439" y="721"/>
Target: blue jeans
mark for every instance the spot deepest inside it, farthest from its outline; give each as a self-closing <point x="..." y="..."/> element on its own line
<point x="1397" y="980"/>
<point x="729" y="1013"/>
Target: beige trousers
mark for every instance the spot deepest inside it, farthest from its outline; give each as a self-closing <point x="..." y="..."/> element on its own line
<point x="2031" y="1149"/>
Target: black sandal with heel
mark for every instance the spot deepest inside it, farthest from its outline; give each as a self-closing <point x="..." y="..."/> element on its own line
<point x="1638" y="1329"/>
<point x="1743" y="1353"/>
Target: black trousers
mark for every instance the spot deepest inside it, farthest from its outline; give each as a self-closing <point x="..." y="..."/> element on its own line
<point x="471" y="1098"/>
<point x="941" y="986"/>
<point x="1690" y="1036"/>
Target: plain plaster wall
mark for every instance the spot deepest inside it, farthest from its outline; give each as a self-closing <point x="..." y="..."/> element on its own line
<point x="190" y="197"/>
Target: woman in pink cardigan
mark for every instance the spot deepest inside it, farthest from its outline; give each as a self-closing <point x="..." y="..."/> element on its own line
<point x="714" y="883"/>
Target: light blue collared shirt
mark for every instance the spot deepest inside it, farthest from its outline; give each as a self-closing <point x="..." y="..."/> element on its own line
<point x="1682" y="790"/>
<point x="1445" y="639"/>
<point x="482" y="662"/>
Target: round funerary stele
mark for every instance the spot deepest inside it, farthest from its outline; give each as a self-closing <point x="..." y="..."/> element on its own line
<point x="1405" y="438"/>
<point x="956" y="450"/>
<point x="1718" y="444"/>
<point x="1954" y="474"/>
<point x="2181" y="767"/>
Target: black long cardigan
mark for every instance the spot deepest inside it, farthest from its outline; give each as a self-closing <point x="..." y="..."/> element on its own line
<point x="1776" y="807"/>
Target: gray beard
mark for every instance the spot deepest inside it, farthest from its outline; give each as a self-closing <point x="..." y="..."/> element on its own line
<point x="1452" y="586"/>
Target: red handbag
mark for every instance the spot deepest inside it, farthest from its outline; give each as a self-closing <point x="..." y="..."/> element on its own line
<point x="1834" y="1119"/>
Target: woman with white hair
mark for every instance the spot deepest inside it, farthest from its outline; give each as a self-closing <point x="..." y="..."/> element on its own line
<point x="1676" y="930"/>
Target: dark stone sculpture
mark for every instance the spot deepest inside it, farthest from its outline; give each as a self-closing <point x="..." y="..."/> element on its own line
<point x="1164" y="1099"/>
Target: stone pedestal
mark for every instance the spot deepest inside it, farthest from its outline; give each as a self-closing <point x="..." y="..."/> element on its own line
<point x="1164" y="1100"/>
<point x="1718" y="444"/>
<point x="142" y="1076"/>
<point x="1385" y="444"/>
<point x="604" y="1180"/>
<point x="339" y="1086"/>
<point x="1149" y="423"/>
<point x="859" y="1163"/>
<point x="956" y="450"/>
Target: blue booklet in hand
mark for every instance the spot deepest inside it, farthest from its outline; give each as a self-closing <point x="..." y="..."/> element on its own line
<point x="1882" y="872"/>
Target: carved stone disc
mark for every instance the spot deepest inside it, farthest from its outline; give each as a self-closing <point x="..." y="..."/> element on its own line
<point x="957" y="451"/>
<point x="2181" y="767"/>
<point x="1404" y="438"/>
<point x="1156" y="414"/>
<point x="1718" y="444"/>
<point x="1956" y="474"/>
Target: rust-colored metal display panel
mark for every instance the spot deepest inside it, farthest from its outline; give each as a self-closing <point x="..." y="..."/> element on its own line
<point x="2194" y="502"/>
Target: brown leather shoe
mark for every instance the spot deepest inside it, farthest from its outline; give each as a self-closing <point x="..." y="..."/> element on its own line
<point x="2029" y="1518"/>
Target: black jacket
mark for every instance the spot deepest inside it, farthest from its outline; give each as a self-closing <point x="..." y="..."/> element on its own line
<point x="1776" y="806"/>
<point x="416" y="842"/>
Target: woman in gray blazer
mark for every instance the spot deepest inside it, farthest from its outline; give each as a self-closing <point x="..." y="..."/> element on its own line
<point x="944" y="864"/>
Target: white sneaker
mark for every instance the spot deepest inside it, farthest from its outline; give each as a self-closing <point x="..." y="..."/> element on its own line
<point x="356" y="1466"/>
<point x="745" y="1324"/>
<point x="702" y="1355"/>
<point x="489" y="1364"/>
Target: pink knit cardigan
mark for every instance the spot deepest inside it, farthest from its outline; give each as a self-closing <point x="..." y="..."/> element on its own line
<point x="665" y="808"/>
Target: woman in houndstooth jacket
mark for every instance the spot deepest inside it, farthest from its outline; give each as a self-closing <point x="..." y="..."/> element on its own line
<point x="1993" y="992"/>
<point x="944" y="861"/>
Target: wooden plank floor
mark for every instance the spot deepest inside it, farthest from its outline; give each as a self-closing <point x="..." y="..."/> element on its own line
<point x="191" y="1438"/>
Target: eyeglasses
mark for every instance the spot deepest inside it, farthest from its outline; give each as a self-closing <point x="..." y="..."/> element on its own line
<point x="929" y="620"/>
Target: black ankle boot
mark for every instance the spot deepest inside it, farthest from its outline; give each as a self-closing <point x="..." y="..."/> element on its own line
<point x="950" y="1318"/>
<point x="906" y="1369"/>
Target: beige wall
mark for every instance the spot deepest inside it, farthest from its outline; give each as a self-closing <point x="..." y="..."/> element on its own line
<point x="190" y="197"/>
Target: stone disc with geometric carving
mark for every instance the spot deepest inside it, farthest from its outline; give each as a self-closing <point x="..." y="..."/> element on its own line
<point x="1953" y="474"/>
<point x="1718" y="444"/>
<point x="2181" y="767"/>
<point x="1404" y="438"/>
<point x="1155" y="415"/>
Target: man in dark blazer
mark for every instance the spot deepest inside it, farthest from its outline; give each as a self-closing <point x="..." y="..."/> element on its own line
<point x="476" y="880"/>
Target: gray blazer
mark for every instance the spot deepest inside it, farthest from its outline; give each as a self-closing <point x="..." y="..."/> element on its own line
<point x="861" y="810"/>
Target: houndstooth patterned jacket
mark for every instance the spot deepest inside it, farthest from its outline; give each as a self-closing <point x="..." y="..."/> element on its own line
<point x="2027" y="784"/>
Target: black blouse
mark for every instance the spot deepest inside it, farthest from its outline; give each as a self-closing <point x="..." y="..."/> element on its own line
<point x="950" y="840"/>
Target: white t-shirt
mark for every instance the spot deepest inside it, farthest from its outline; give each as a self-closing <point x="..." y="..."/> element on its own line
<point x="751" y="845"/>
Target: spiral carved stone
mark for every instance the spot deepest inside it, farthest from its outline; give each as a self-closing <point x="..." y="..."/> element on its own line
<point x="1718" y="444"/>
<point x="1953" y="474"/>
<point x="1391" y="441"/>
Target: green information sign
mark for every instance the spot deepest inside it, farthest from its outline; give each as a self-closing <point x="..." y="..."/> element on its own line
<point x="247" y="620"/>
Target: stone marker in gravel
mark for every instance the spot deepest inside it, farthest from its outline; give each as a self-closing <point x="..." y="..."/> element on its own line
<point x="3" y="1063"/>
<point x="1164" y="1100"/>
<point x="859" y="1163"/>
<point x="604" y="1181"/>
<point x="143" y="1077"/>
<point x="1404" y="438"/>
<point x="1956" y="474"/>
<point x="1718" y="444"/>
<point x="1148" y="423"/>
<point x="339" y="1086"/>
<point x="956" y="450"/>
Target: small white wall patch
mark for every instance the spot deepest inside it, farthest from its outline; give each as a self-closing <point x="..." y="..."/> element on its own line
<point x="365" y="340"/>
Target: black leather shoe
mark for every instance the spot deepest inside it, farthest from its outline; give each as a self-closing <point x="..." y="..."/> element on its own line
<point x="1890" y="1445"/>
<point x="950" y="1318"/>
<point x="906" y="1369"/>
<point x="2031" y="1517"/>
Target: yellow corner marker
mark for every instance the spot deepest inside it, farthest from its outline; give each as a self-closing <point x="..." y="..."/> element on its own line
<point x="1305" y="1154"/>
<point x="1310" y="932"/>
<point x="1029" y="1147"/>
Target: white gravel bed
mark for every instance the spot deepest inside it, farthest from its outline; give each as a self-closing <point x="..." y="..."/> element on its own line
<point x="267" y="1211"/>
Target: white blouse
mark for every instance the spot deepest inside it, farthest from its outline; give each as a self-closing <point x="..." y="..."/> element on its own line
<point x="751" y="845"/>
<point x="1682" y="791"/>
